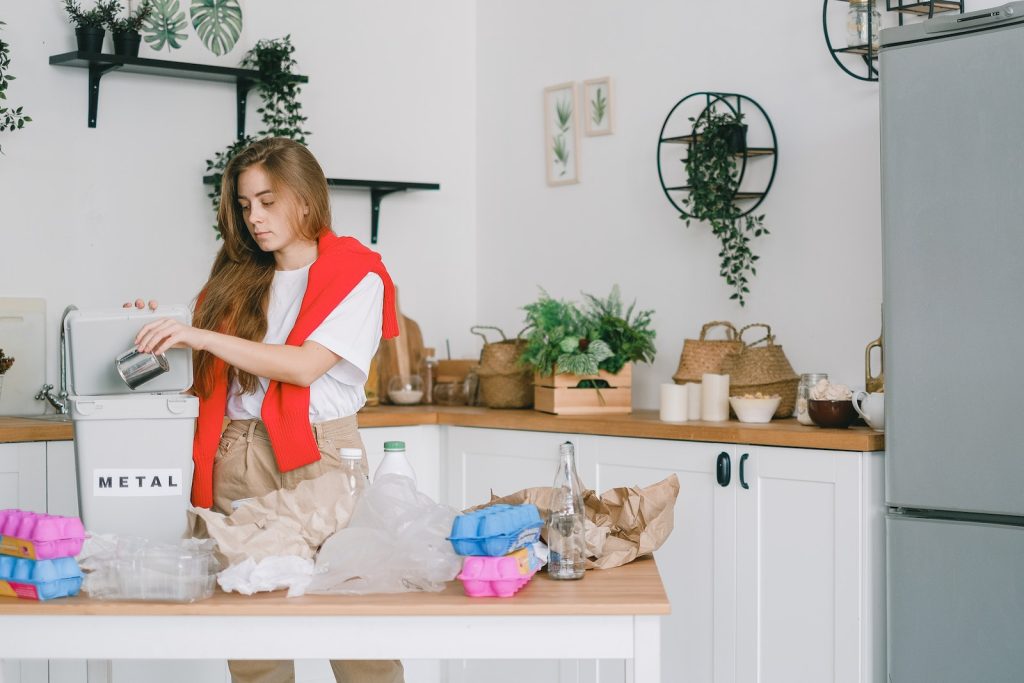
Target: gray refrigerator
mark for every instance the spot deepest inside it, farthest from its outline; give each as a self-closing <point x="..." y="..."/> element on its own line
<point x="952" y="131"/>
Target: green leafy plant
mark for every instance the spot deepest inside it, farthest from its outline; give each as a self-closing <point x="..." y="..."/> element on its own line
<point x="600" y="106"/>
<point x="218" y="24"/>
<point x="99" y="16"/>
<point x="281" y="111"/>
<point x="134" y="20"/>
<point x="10" y="119"/>
<point x="562" y="337"/>
<point x="165" y="27"/>
<point x="713" y="179"/>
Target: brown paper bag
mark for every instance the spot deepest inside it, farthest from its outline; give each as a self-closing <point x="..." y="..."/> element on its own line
<point x="622" y="523"/>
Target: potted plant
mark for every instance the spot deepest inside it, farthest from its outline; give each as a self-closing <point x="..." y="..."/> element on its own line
<point x="89" y="24"/>
<point x="125" y="30"/>
<point x="719" y="137"/>
<point x="582" y="356"/>
<point x="11" y="119"/>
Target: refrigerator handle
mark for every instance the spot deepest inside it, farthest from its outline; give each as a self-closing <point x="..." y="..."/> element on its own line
<point x="743" y="461"/>
<point x="723" y="469"/>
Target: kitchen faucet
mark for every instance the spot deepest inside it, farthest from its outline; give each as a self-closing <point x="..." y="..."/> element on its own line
<point x="60" y="399"/>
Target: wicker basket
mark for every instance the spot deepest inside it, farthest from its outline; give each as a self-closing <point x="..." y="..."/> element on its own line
<point x="503" y="382"/>
<point x="762" y="369"/>
<point x="706" y="355"/>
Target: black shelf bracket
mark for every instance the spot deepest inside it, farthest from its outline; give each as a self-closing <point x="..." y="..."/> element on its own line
<point x="99" y="64"/>
<point x="378" y="190"/>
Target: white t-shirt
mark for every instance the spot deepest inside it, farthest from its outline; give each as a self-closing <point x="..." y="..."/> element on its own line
<point x="352" y="331"/>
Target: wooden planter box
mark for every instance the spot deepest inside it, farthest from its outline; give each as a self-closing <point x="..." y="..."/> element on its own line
<point x="559" y="394"/>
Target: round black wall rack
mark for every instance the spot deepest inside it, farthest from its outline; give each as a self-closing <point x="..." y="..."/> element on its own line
<point x="673" y="133"/>
<point x="867" y="53"/>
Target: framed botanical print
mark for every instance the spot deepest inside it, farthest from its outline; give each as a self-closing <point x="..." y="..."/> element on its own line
<point x="597" y="106"/>
<point x="561" y="134"/>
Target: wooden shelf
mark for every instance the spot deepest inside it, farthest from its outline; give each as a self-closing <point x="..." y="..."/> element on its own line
<point x="689" y="139"/>
<point x="99" y="64"/>
<point x="378" y="190"/>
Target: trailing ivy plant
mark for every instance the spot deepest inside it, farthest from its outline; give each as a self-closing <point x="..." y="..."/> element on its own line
<point x="713" y="180"/>
<point x="281" y="112"/>
<point x="562" y="337"/>
<point x="10" y="119"/>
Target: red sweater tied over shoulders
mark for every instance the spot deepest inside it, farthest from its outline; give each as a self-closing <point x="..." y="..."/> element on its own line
<point x="341" y="264"/>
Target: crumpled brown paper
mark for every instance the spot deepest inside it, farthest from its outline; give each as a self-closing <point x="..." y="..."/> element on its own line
<point x="622" y="524"/>
<point x="284" y="522"/>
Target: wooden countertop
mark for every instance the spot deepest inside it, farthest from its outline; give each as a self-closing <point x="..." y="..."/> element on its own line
<point x="634" y="588"/>
<point x="641" y="423"/>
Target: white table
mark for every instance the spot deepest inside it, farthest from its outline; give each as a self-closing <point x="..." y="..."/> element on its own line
<point x="611" y="614"/>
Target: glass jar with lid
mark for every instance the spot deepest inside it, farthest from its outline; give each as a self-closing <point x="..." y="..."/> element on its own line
<point x="803" y="393"/>
<point x="863" y="22"/>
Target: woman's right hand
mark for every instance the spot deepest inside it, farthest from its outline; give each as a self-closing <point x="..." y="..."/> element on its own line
<point x="140" y="304"/>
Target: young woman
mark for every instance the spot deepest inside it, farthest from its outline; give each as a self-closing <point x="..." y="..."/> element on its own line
<point x="282" y="335"/>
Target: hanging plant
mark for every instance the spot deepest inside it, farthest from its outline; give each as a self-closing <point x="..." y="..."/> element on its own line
<point x="218" y="24"/>
<point x="10" y="119"/>
<point x="714" y="179"/>
<point x="281" y="112"/>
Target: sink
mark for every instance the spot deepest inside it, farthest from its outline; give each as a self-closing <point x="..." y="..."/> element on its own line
<point x="46" y="418"/>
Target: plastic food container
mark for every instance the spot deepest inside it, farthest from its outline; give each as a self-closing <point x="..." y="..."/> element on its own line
<point x="39" y="537"/>
<point x="496" y="530"/>
<point x="501" y="577"/>
<point x="142" y="570"/>
<point x="39" y="579"/>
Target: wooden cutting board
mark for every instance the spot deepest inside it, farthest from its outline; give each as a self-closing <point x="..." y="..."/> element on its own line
<point x="23" y="337"/>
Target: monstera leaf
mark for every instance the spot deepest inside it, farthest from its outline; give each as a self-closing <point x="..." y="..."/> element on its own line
<point x="165" y="26"/>
<point x="218" y="23"/>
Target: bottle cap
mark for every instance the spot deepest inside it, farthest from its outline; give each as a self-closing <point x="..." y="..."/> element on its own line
<point x="352" y="453"/>
<point x="394" y="445"/>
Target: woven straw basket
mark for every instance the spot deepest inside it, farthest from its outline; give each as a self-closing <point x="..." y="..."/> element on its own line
<point x="503" y="382"/>
<point x="706" y="355"/>
<point x="762" y="369"/>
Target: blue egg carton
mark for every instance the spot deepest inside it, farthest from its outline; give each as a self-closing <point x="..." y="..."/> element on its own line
<point x="39" y="579"/>
<point x="496" y="530"/>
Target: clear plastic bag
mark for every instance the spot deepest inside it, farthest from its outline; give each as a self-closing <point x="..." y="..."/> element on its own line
<point x="395" y="542"/>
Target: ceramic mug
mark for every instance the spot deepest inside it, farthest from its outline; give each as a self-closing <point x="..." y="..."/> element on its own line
<point x="871" y="407"/>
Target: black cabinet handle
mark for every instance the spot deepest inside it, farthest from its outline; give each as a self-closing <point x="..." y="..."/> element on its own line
<point x="723" y="469"/>
<point x="743" y="460"/>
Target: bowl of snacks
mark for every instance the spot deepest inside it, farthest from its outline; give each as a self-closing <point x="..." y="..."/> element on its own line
<point x="755" y="408"/>
<point x="831" y="405"/>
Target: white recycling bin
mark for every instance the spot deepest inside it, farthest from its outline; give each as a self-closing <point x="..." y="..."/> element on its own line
<point x="133" y="448"/>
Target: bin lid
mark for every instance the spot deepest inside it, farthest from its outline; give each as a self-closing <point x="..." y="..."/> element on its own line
<point x="96" y="337"/>
<point x="136" y="407"/>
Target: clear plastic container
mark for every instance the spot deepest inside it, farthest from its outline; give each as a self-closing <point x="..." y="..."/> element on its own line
<point x="803" y="393"/>
<point x="139" y="569"/>
<point x="395" y="462"/>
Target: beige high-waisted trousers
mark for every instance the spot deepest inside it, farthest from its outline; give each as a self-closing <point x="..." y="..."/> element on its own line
<point x="245" y="468"/>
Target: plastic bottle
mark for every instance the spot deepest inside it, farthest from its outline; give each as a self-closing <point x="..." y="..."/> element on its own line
<point x="355" y="475"/>
<point x="566" y="539"/>
<point x="395" y="462"/>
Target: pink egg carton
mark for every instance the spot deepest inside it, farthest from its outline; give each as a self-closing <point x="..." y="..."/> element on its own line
<point x="37" y="536"/>
<point x="484" y="576"/>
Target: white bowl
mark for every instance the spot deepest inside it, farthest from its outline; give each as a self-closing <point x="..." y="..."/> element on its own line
<point x="755" y="410"/>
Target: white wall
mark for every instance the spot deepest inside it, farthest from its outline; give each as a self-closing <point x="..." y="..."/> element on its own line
<point x="97" y="216"/>
<point x="819" y="278"/>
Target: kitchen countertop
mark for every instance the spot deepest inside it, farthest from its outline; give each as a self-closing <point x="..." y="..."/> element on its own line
<point x="640" y="423"/>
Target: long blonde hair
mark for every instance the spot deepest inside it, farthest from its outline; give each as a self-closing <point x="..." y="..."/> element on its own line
<point x="234" y="300"/>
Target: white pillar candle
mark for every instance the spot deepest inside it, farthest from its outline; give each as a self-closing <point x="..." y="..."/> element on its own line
<point x="673" y="403"/>
<point x="714" y="395"/>
<point x="693" y="400"/>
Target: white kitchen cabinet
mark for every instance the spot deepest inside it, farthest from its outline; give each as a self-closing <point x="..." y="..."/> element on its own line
<point x="23" y="476"/>
<point x="810" y="566"/>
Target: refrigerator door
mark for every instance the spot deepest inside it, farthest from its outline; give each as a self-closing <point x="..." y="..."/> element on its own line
<point x="955" y="601"/>
<point x="952" y="126"/>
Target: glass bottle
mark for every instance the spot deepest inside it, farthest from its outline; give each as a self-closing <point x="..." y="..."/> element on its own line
<point x="566" y="538"/>
<point x="862" y="20"/>
<point x="803" y="393"/>
<point x="429" y="372"/>
<point x="352" y="466"/>
<point x="395" y="462"/>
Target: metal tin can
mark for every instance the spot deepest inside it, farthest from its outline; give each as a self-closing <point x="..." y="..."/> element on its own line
<point x="137" y="368"/>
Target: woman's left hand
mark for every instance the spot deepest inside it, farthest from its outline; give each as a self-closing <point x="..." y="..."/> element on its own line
<point x="167" y="333"/>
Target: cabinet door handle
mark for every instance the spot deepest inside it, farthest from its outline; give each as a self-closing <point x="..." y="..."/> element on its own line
<point x="723" y="470"/>
<point x="743" y="461"/>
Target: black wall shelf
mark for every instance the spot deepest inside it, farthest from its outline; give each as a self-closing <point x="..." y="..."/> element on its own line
<point x="100" y="64"/>
<point x="378" y="190"/>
